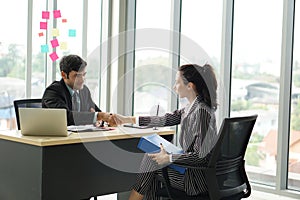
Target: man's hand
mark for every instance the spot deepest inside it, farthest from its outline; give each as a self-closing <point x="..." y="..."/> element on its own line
<point x="107" y="117"/>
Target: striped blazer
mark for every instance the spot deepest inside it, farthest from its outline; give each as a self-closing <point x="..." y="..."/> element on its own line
<point x="197" y="137"/>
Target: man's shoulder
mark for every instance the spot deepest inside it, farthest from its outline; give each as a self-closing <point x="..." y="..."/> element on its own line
<point x="55" y="89"/>
<point x="85" y="87"/>
<point x="55" y="84"/>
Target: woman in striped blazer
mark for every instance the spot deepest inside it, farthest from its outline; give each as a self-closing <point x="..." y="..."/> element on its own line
<point x="198" y="134"/>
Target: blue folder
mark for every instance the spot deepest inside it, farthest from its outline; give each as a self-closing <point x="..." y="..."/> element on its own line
<point x="151" y="144"/>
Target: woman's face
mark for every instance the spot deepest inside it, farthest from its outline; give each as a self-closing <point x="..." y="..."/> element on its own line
<point x="180" y="88"/>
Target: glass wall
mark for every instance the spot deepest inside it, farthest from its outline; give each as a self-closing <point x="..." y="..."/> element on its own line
<point x="294" y="143"/>
<point x="93" y="47"/>
<point x="153" y="73"/>
<point x="13" y="45"/>
<point x="201" y="28"/>
<point x="69" y="23"/>
<point x="255" y="80"/>
<point x="201" y="22"/>
<point x="39" y="42"/>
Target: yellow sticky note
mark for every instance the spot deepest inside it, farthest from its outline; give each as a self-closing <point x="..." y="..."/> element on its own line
<point x="63" y="45"/>
<point x="55" y="32"/>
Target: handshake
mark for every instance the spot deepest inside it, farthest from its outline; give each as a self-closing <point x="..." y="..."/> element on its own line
<point x="115" y="119"/>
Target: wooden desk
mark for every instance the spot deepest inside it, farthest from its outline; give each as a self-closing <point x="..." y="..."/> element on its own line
<point x="70" y="168"/>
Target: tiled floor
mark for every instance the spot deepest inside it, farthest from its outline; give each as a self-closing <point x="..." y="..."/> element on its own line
<point x="256" y="195"/>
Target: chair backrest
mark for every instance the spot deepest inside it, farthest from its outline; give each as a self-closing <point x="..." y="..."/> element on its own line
<point x="25" y="103"/>
<point x="225" y="173"/>
<point x="228" y="155"/>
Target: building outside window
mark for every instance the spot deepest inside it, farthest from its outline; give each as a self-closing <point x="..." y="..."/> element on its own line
<point x="255" y="80"/>
<point x="294" y="142"/>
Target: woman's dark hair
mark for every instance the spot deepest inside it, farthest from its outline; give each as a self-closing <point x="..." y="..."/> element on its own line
<point x="204" y="78"/>
<point x="71" y="62"/>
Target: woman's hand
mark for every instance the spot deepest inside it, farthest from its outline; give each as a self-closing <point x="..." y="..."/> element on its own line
<point x="160" y="158"/>
<point x="120" y="119"/>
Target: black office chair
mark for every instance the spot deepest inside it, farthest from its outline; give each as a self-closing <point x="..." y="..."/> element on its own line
<point x="25" y="103"/>
<point x="225" y="173"/>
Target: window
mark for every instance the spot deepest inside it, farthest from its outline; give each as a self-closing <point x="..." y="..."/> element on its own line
<point x="255" y="80"/>
<point x="70" y="32"/>
<point x="201" y="23"/>
<point x="39" y="55"/>
<point x="12" y="58"/>
<point x="93" y="47"/>
<point x="153" y="80"/>
<point x="201" y="28"/>
<point x="294" y="143"/>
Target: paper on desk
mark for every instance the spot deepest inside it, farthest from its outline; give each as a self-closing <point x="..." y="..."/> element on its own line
<point x="86" y="128"/>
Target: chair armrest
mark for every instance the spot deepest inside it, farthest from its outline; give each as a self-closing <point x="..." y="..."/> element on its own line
<point x="191" y="167"/>
<point x="165" y="180"/>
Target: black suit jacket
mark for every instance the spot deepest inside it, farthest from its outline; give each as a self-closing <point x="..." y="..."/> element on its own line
<point x="57" y="95"/>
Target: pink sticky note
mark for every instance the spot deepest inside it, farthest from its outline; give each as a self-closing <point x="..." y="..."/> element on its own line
<point x="64" y="20"/>
<point x="43" y="25"/>
<point x="56" y="13"/>
<point x="54" y="43"/>
<point x="41" y="34"/>
<point x="45" y="14"/>
<point x="53" y="56"/>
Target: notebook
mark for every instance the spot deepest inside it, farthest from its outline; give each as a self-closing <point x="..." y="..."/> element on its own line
<point x="43" y="122"/>
<point x="151" y="144"/>
<point x="87" y="128"/>
<point x="135" y="126"/>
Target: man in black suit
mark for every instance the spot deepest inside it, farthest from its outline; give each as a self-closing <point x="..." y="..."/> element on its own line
<point x="71" y="94"/>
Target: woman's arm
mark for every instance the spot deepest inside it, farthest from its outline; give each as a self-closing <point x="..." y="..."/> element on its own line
<point x="200" y="135"/>
<point x="169" y="119"/>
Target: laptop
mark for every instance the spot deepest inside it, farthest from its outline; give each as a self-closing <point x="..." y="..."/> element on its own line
<point x="43" y="122"/>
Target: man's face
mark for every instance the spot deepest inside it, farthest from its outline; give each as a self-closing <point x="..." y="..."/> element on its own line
<point x="75" y="79"/>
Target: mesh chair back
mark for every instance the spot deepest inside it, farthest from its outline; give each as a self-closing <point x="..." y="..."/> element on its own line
<point x="230" y="171"/>
<point x="225" y="173"/>
<point x="236" y="140"/>
<point x="25" y="103"/>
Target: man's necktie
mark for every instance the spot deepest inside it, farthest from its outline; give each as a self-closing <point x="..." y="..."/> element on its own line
<point x="75" y="102"/>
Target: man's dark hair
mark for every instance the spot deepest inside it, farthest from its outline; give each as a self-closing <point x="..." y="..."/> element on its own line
<point x="71" y="63"/>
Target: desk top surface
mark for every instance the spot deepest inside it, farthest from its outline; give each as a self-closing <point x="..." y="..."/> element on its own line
<point x="116" y="134"/>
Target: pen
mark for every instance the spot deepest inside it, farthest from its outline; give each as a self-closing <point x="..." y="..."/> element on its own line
<point x="157" y="111"/>
<point x="102" y="123"/>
